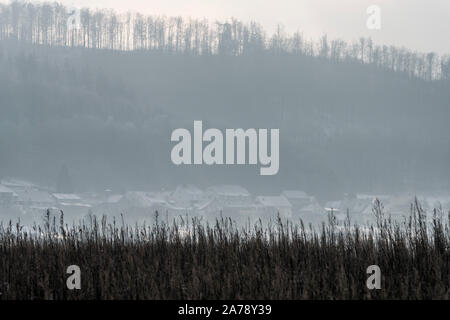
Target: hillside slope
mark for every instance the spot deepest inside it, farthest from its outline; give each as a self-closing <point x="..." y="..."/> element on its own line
<point x="344" y="126"/>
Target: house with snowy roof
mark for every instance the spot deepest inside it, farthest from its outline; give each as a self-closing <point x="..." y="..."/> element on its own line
<point x="7" y="195"/>
<point x="274" y="205"/>
<point x="66" y="197"/>
<point x="34" y="197"/>
<point x="140" y="199"/>
<point x="15" y="184"/>
<point x="186" y="195"/>
<point x="229" y="195"/>
<point x="303" y="204"/>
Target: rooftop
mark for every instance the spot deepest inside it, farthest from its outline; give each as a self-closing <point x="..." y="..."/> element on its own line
<point x="188" y="188"/>
<point x="34" y="195"/>
<point x="66" y="196"/>
<point x="4" y="189"/>
<point x="294" y="194"/>
<point x="274" y="201"/>
<point x="229" y="190"/>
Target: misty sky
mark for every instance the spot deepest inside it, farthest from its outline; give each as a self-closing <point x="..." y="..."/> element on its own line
<point x="422" y="25"/>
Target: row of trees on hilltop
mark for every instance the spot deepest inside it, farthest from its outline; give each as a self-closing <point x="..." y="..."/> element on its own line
<point x="50" y="24"/>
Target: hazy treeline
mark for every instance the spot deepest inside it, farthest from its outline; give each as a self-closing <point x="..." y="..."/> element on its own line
<point x="49" y="24"/>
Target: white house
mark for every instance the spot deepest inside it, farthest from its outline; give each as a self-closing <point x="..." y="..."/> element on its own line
<point x="15" y="184"/>
<point x="186" y="195"/>
<point x="140" y="199"/>
<point x="34" y="197"/>
<point x="303" y="205"/>
<point x="274" y="205"/>
<point x="66" y="197"/>
<point x="6" y="195"/>
<point x="229" y="195"/>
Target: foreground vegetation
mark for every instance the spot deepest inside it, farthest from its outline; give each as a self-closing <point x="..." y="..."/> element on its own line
<point x="191" y="260"/>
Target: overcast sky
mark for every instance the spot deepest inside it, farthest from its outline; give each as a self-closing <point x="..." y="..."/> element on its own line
<point x="422" y="25"/>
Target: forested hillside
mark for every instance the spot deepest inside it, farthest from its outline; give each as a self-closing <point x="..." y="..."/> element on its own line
<point x="53" y="24"/>
<point x="104" y="99"/>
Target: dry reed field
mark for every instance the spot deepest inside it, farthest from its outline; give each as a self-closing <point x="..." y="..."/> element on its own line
<point x="191" y="260"/>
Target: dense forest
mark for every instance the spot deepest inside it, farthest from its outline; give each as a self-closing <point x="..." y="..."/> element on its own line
<point x="53" y="24"/>
<point x="103" y="99"/>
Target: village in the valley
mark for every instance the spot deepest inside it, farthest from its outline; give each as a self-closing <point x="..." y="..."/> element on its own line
<point x="30" y="202"/>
